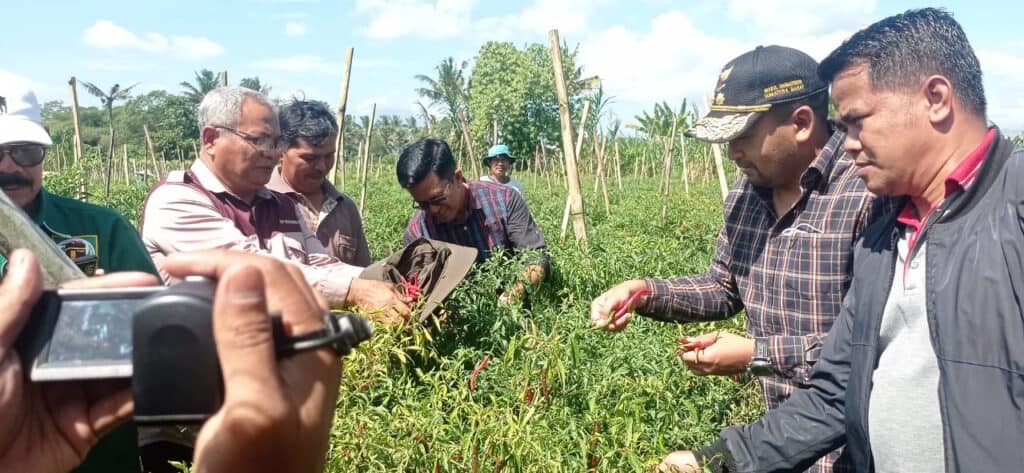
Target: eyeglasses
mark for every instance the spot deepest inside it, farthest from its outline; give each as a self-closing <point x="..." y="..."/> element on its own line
<point x="24" y="155"/>
<point x="268" y="144"/>
<point x="435" y="201"/>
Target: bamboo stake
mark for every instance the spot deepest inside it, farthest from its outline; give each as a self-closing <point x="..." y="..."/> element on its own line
<point x="339" y="141"/>
<point x="125" y="162"/>
<point x="601" y="171"/>
<point x="682" y="149"/>
<point x="224" y="78"/>
<point x="579" y="149"/>
<point x="74" y="118"/>
<point x="149" y="145"/>
<point x="721" y="170"/>
<point x="667" y="176"/>
<point x="618" y="166"/>
<point x="572" y="174"/>
<point x="469" y="142"/>
<point x="366" y="159"/>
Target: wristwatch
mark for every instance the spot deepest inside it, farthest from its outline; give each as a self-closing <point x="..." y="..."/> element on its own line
<point x="761" y="363"/>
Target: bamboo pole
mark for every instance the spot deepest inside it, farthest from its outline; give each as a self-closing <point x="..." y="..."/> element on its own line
<point x="152" y="154"/>
<point x="667" y="176"/>
<point x="601" y="171"/>
<point x="223" y="78"/>
<point x="572" y="174"/>
<point x="125" y="163"/>
<point x="74" y="118"/>
<point x="721" y="170"/>
<point x="339" y="141"/>
<point x="469" y="142"/>
<point x="579" y="149"/>
<point x="686" y="175"/>
<point x="366" y="159"/>
<point x="618" y="165"/>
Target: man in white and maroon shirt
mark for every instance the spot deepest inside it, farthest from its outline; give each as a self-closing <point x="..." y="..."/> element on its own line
<point x="222" y="202"/>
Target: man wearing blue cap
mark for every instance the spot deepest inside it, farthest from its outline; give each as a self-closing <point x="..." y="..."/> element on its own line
<point x="499" y="161"/>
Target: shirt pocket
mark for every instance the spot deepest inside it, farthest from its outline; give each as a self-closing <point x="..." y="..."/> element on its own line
<point x="817" y="268"/>
<point x="343" y="247"/>
<point x="287" y="247"/>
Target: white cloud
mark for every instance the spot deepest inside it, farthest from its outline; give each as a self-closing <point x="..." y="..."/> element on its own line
<point x="105" y="34"/>
<point x="809" y="17"/>
<point x="415" y="18"/>
<point x="1003" y="86"/>
<point x="670" y="61"/>
<point x="294" y="28"/>
<point x="567" y="16"/>
<point x="300" y="63"/>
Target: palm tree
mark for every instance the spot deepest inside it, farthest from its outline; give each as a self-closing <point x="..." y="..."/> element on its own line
<point x="255" y="84"/>
<point x="449" y="90"/>
<point x="206" y="81"/>
<point x="108" y="98"/>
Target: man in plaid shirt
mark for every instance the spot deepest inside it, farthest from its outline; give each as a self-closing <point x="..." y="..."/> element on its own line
<point x="785" y="252"/>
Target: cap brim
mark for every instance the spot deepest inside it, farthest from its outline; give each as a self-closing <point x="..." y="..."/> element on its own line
<point x="718" y="127"/>
<point x="18" y="130"/>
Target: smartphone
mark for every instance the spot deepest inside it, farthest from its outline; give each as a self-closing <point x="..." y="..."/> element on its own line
<point x="76" y="334"/>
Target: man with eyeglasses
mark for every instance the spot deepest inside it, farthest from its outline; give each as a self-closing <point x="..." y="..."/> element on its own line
<point x="222" y="202"/>
<point x="93" y="236"/>
<point x="309" y="130"/>
<point x="482" y="215"/>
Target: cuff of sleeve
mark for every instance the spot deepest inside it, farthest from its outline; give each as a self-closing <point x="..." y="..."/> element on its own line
<point x="653" y="303"/>
<point x="715" y="458"/>
<point x="334" y="285"/>
<point x="794" y="356"/>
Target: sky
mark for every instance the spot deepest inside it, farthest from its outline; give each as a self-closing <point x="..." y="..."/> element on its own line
<point x="644" y="51"/>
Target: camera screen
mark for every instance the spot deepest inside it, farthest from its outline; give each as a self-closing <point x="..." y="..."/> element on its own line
<point x="93" y="331"/>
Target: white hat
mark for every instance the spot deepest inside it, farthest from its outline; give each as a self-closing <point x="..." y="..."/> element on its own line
<point x="21" y="118"/>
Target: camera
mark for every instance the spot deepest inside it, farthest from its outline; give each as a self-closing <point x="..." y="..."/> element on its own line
<point x="161" y="338"/>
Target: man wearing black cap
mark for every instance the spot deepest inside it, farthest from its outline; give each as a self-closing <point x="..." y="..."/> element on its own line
<point x="785" y="251"/>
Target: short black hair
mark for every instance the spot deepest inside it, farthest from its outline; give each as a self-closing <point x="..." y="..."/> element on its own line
<point x="306" y="119"/>
<point x="903" y="49"/>
<point x="428" y="155"/>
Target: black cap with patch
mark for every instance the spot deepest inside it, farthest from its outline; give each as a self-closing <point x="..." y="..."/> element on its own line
<point x="749" y="85"/>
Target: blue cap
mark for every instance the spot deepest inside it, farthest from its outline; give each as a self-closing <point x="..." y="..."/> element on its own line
<point x="498" y="150"/>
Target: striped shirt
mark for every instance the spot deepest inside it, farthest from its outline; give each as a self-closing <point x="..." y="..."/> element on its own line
<point x="498" y="218"/>
<point x="789" y="272"/>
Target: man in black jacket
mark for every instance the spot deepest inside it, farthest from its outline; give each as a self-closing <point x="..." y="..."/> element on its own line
<point x="924" y="369"/>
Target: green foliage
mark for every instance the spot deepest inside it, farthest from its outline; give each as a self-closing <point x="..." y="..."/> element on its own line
<point x="205" y="81"/>
<point x="255" y="84"/>
<point x="1019" y="139"/>
<point x="516" y="88"/>
<point x="659" y="123"/>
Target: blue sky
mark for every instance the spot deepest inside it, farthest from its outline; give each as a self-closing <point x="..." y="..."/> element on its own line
<point x="644" y="50"/>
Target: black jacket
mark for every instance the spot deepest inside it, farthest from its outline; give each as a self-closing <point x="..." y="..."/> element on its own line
<point x="975" y="282"/>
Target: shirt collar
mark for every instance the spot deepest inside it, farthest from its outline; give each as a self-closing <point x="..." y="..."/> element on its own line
<point x="212" y="183"/>
<point x="278" y="184"/>
<point x="815" y="176"/>
<point x="474" y="203"/>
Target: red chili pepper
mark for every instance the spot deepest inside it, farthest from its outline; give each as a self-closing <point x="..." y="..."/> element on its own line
<point x="687" y="346"/>
<point x="528" y="396"/>
<point x="412" y="287"/>
<point x="624" y="309"/>
<point x="479" y="367"/>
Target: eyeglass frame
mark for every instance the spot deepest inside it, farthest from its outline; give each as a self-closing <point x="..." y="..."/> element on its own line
<point x="10" y="150"/>
<point x="439" y="200"/>
<point x="253" y="141"/>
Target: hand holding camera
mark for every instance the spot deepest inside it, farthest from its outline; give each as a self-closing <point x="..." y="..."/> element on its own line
<point x="271" y="404"/>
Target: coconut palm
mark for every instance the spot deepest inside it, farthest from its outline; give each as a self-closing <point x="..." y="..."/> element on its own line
<point x="206" y="81"/>
<point x="255" y="84"/>
<point x="108" y="98"/>
<point x="450" y="90"/>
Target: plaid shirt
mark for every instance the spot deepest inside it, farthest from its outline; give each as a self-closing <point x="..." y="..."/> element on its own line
<point x="790" y="272"/>
<point x="498" y="217"/>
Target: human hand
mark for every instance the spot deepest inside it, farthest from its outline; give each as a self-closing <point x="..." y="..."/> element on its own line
<point x="605" y="306"/>
<point x="383" y="298"/>
<point x="719" y="353"/>
<point x="681" y="461"/>
<point x="49" y="427"/>
<point x="277" y="414"/>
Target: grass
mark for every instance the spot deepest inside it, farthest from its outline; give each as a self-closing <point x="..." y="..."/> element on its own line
<point x="556" y="394"/>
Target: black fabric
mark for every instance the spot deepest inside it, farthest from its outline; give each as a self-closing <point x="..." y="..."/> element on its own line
<point x="974" y="271"/>
<point x="767" y="75"/>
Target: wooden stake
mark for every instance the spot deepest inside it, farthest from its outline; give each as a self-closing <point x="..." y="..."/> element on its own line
<point x="339" y="141"/>
<point x="601" y="171"/>
<point x="667" y="175"/>
<point x="581" y="130"/>
<point x="74" y="118"/>
<point x="469" y="143"/>
<point x="125" y="162"/>
<point x="721" y="170"/>
<point x="224" y="78"/>
<point x="686" y="176"/>
<point x="572" y="174"/>
<point x="152" y="154"/>
<point x="366" y="159"/>
<point x="618" y="165"/>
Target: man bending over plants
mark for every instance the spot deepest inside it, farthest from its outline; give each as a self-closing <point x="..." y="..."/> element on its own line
<point x="481" y="215"/>
<point x="785" y="252"/>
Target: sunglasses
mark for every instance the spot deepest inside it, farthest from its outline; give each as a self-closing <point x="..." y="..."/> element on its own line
<point x="24" y="155"/>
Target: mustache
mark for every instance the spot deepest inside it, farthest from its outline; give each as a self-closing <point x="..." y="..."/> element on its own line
<point x="14" y="180"/>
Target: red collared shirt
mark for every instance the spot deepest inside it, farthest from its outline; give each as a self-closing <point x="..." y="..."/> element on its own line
<point x="958" y="180"/>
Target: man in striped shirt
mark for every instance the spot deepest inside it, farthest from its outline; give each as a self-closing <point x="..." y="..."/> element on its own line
<point x="482" y="215"/>
<point x="785" y="253"/>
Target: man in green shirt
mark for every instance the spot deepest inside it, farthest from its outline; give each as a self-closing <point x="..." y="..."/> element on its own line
<point x="94" y="237"/>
